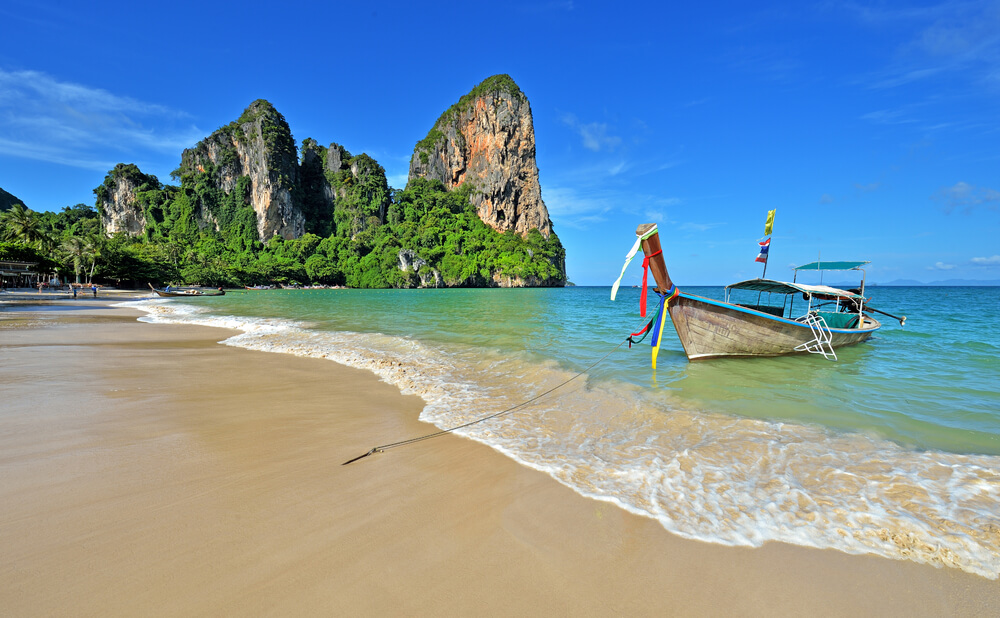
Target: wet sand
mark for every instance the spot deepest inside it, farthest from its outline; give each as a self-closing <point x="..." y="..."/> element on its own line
<point x="146" y="469"/>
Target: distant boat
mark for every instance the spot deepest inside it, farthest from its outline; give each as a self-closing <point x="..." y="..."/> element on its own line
<point x="829" y="317"/>
<point x="187" y="292"/>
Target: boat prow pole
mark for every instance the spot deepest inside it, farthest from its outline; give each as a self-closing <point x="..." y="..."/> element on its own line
<point x="654" y="253"/>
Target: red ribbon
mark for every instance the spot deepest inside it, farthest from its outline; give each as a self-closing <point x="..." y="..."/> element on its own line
<point x="645" y="271"/>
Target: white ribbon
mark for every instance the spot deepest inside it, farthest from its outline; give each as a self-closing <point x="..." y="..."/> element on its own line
<point x="628" y="258"/>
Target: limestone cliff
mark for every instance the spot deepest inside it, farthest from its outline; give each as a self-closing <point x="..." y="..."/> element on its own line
<point x="488" y="139"/>
<point x="340" y="193"/>
<point x="259" y="145"/>
<point x="118" y="203"/>
<point x="316" y="195"/>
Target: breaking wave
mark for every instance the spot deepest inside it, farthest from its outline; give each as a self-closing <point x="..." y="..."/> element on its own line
<point x="702" y="474"/>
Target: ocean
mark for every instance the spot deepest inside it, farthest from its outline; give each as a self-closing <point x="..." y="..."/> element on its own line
<point x="893" y="450"/>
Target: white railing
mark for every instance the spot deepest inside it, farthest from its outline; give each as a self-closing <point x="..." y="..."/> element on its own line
<point x="822" y="342"/>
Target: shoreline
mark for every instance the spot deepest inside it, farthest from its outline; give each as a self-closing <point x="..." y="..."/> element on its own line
<point x="104" y="295"/>
<point x="175" y="475"/>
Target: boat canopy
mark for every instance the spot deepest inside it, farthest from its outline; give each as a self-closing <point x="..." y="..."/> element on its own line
<point x="784" y="287"/>
<point x="832" y="266"/>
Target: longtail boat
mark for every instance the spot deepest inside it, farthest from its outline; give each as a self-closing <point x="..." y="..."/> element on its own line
<point x="827" y="318"/>
<point x="186" y="292"/>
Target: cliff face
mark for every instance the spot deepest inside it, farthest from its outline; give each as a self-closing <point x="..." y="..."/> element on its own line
<point x="244" y="185"/>
<point x="488" y="139"/>
<point x="117" y="202"/>
<point x="341" y="194"/>
<point x="259" y="146"/>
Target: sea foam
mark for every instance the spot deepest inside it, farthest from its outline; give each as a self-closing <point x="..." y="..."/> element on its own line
<point x="708" y="476"/>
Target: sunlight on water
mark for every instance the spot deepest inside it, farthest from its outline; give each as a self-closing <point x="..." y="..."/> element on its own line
<point x="894" y="450"/>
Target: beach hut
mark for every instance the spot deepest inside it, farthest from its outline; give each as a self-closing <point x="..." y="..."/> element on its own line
<point x="18" y="274"/>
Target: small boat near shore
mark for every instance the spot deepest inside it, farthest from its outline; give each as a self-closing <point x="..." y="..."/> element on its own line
<point x="186" y="292"/>
<point x="827" y="317"/>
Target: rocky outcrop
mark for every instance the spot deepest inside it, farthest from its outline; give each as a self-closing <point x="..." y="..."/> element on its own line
<point x="245" y="184"/>
<point x="336" y="155"/>
<point x="317" y="198"/>
<point x="117" y="200"/>
<point x="258" y="145"/>
<point x="409" y="261"/>
<point x="488" y="139"/>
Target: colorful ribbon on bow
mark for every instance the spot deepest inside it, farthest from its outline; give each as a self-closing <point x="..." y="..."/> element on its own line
<point x="628" y="259"/>
<point x="661" y="320"/>
<point x="645" y="271"/>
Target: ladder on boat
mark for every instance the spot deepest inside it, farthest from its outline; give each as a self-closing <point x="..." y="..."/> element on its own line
<point x="822" y="342"/>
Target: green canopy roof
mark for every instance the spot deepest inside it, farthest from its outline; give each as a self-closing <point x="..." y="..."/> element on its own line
<point x="832" y="266"/>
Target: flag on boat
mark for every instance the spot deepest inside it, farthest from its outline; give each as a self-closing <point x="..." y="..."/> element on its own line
<point x="764" y="246"/>
<point x="769" y="224"/>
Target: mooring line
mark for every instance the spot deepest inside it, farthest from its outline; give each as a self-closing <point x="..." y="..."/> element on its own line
<point x="385" y="447"/>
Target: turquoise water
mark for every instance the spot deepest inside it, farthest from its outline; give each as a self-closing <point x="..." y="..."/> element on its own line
<point x="892" y="450"/>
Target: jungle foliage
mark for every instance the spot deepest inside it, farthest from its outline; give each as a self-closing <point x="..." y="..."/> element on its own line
<point x="359" y="232"/>
<point x="197" y="234"/>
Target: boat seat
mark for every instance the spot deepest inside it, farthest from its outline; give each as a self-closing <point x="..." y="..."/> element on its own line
<point x="836" y="319"/>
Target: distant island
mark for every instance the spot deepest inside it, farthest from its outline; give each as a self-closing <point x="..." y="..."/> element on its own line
<point x="907" y="283"/>
<point x="944" y="283"/>
<point x="253" y="208"/>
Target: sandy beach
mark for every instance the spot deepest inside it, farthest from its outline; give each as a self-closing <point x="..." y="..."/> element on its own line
<point x="146" y="469"/>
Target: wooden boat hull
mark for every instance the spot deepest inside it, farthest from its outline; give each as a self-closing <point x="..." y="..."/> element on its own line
<point x="713" y="329"/>
<point x="167" y="294"/>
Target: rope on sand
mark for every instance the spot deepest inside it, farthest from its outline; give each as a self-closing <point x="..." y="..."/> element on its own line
<point x="385" y="447"/>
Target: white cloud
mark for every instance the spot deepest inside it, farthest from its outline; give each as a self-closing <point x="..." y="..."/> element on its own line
<point x="44" y="119"/>
<point x="618" y="168"/>
<point x="888" y="116"/>
<point x="967" y="197"/>
<point x="54" y="154"/>
<point x="986" y="261"/>
<point x="398" y="181"/>
<point x="579" y="207"/>
<point x="569" y="205"/>
<point x="941" y="266"/>
<point x="594" y="134"/>
<point x="946" y="39"/>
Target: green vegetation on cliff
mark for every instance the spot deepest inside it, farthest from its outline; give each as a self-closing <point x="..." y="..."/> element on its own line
<point x="375" y="230"/>
<point x="502" y="83"/>
<point x="358" y="231"/>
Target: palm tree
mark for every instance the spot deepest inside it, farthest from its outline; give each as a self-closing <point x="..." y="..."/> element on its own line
<point x="76" y="249"/>
<point x="21" y="224"/>
<point x="94" y="243"/>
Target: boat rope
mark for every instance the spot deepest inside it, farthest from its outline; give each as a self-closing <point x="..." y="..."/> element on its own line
<point x="385" y="447"/>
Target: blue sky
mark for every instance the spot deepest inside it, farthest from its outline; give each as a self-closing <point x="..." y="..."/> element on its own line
<point x="872" y="128"/>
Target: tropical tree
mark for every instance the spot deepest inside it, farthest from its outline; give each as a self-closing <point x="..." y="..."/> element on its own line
<point x="21" y="224"/>
<point x="75" y="249"/>
<point x="94" y="243"/>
